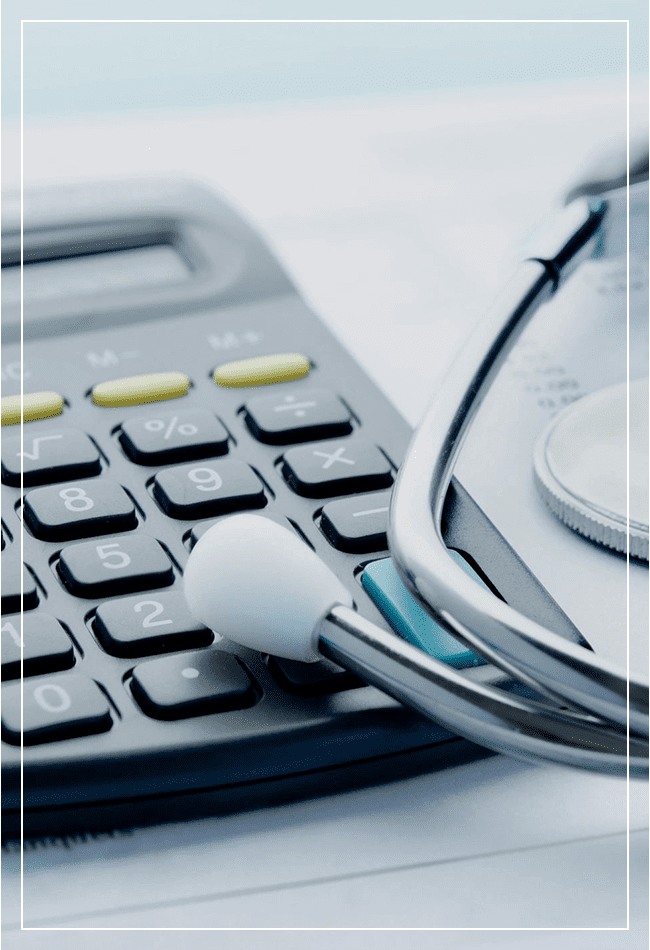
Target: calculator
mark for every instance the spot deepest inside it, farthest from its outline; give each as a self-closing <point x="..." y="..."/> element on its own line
<point x="172" y="375"/>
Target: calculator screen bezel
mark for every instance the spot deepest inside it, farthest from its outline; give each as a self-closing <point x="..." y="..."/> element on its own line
<point x="227" y="262"/>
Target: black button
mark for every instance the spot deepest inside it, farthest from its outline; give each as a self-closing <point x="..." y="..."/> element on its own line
<point x="54" y="707"/>
<point x="297" y="417"/>
<point x="50" y="456"/>
<point x="174" y="437"/>
<point x="115" y="566"/>
<point x="46" y="646"/>
<point x="148" y="624"/>
<point x="208" y="489"/>
<point x="311" y="679"/>
<point x="357" y="524"/>
<point x="192" y="684"/>
<point x="79" y="510"/>
<point x="336" y="468"/>
<point x="12" y="573"/>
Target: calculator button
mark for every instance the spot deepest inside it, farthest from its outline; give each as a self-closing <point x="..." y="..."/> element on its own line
<point x="357" y="524"/>
<point x="82" y="510"/>
<point x="149" y="624"/>
<point x="12" y="574"/>
<point x="46" y="646"/>
<point x="192" y="684"/>
<point x="336" y="468"/>
<point x="208" y="489"/>
<point x="262" y="370"/>
<point x="116" y="566"/>
<point x="136" y="390"/>
<point x="54" y="707"/>
<point x="297" y="417"/>
<point x="406" y="617"/>
<point x="174" y="437"/>
<point x="54" y="456"/>
<point x="35" y="406"/>
<point x="311" y="679"/>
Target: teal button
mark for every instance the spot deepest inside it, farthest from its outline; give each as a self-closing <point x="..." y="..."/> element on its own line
<point x="407" y="618"/>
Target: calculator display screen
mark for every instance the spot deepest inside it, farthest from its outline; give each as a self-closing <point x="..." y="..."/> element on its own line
<point x="94" y="273"/>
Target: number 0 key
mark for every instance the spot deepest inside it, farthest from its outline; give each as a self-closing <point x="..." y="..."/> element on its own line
<point x="53" y="708"/>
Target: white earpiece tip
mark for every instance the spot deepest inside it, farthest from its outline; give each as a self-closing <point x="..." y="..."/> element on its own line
<point x="257" y="583"/>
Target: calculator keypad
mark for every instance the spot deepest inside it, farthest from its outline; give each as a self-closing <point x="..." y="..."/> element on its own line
<point x="79" y="510"/>
<point x="56" y="456"/>
<point x="15" y="574"/>
<point x="54" y="707"/>
<point x="127" y="573"/>
<point x="149" y="624"/>
<point x="116" y="535"/>
<point x="192" y="684"/>
<point x="206" y="490"/>
<point x="46" y="647"/>
<point x="358" y="524"/>
<point x="117" y="566"/>
<point x="174" y="437"/>
<point x="283" y="418"/>
<point x="336" y="468"/>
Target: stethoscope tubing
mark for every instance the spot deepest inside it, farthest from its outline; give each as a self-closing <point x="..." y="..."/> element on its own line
<point x="597" y="697"/>
<point x="496" y="719"/>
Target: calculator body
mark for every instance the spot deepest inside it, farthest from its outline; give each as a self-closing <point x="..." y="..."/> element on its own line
<point x="197" y="290"/>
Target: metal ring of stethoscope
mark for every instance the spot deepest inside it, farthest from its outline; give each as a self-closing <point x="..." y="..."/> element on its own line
<point x="594" y="718"/>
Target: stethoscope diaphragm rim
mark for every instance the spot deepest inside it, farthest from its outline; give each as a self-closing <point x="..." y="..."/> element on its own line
<point x="591" y="500"/>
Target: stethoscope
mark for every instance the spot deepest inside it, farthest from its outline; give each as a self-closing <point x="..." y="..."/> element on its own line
<point x="252" y="580"/>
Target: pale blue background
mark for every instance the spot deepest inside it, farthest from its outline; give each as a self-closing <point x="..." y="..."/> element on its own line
<point x="105" y="68"/>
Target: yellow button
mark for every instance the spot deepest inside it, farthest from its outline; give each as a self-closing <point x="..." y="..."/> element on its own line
<point x="35" y="406"/>
<point x="262" y="370"/>
<point x="134" y="390"/>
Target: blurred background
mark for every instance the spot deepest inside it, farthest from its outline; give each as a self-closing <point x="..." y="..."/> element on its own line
<point x="88" y="68"/>
<point x="91" y="68"/>
<point x="416" y="151"/>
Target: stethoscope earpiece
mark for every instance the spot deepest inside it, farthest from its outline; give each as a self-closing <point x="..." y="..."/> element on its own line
<point x="257" y="583"/>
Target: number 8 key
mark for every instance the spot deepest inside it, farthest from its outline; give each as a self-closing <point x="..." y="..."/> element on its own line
<point x="62" y="513"/>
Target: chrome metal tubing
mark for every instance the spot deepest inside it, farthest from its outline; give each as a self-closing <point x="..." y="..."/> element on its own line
<point x="558" y="669"/>
<point x="487" y="715"/>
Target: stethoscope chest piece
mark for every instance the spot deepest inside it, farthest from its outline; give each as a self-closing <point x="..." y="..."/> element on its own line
<point x="587" y="476"/>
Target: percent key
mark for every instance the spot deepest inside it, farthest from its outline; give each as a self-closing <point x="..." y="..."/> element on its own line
<point x="173" y="437"/>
